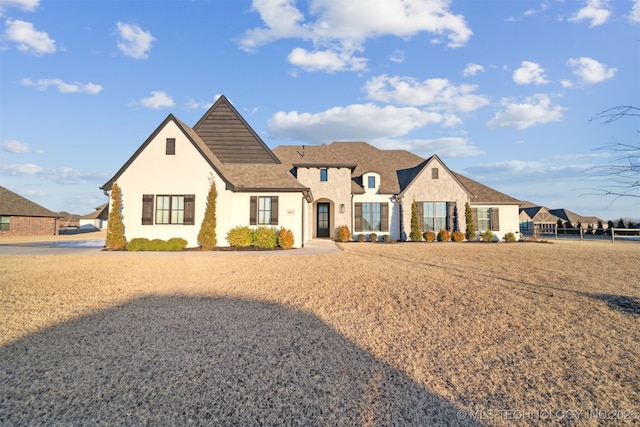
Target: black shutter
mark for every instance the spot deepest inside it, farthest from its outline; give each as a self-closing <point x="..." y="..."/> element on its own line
<point x="384" y="216"/>
<point x="253" y="210"/>
<point x="420" y="212"/>
<point x="147" y="209"/>
<point x="189" y="209"/>
<point x="495" y="219"/>
<point x="357" y="219"/>
<point x="274" y="210"/>
<point x="450" y="206"/>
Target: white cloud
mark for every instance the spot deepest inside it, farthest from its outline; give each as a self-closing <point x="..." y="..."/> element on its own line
<point x="21" y="170"/>
<point x="596" y="11"/>
<point x="25" y="5"/>
<point x="326" y="60"/>
<point x="337" y="29"/>
<point x="135" y="42"/>
<point x="634" y="14"/>
<point x="529" y="73"/>
<point x="354" y="122"/>
<point x="543" y="6"/>
<point x="75" y="87"/>
<point x="191" y="104"/>
<point x="397" y="56"/>
<point x="472" y="69"/>
<point x="63" y="175"/>
<point x="535" y="110"/>
<point x="17" y="147"/>
<point x="446" y="147"/>
<point x="591" y="71"/>
<point x="158" y="99"/>
<point x="439" y="94"/>
<point x="29" y="39"/>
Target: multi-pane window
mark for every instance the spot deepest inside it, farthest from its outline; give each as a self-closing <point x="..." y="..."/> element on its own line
<point x="5" y="222"/>
<point x="169" y="209"/>
<point x="264" y="210"/>
<point x="371" y="182"/>
<point x="324" y="175"/>
<point x="434" y="216"/>
<point x="484" y="219"/>
<point x="371" y="217"/>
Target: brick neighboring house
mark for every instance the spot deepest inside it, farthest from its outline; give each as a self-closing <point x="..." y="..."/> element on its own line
<point x="22" y="217"/>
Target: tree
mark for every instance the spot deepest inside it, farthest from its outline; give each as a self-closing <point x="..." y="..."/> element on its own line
<point x="207" y="235"/>
<point x="115" y="228"/>
<point x="620" y="223"/>
<point x="470" y="231"/>
<point x="416" y="233"/>
<point x="624" y="170"/>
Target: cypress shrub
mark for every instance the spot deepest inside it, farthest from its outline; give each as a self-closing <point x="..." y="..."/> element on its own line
<point x="470" y="232"/>
<point x="416" y="234"/>
<point x="115" y="228"/>
<point x="207" y="235"/>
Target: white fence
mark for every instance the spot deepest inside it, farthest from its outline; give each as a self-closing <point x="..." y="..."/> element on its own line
<point x="633" y="231"/>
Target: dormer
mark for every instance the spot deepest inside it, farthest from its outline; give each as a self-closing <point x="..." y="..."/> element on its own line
<point x="371" y="182"/>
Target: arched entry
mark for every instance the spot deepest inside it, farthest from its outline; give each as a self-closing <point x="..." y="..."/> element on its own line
<point x="323" y="219"/>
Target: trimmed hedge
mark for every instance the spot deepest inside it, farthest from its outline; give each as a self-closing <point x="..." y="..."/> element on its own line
<point x="240" y="237"/>
<point x="265" y="237"/>
<point x="143" y="244"/>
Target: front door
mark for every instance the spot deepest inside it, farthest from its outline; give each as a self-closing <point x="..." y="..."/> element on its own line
<point x="322" y="215"/>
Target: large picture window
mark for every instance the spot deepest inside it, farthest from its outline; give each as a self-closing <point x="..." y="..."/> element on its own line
<point x="371" y="217"/>
<point x="435" y="216"/>
<point x="169" y="209"/>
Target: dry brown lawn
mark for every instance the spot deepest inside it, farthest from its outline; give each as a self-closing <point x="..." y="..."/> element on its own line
<point x="376" y="334"/>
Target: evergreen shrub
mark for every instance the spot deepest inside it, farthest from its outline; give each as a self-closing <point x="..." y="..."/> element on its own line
<point x="265" y="237"/>
<point x="240" y="236"/>
<point x="457" y="236"/>
<point x="444" y="236"/>
<point x="285" y="238"/>
<point x="429" y="236"/>
<point x="344" y="234"/>
<point x="386" y="238"/>
<point x="487" y="236"/>
<point x="509" y="237"/>
<point x="373" y="237"/>
<point x="361" y="237"/>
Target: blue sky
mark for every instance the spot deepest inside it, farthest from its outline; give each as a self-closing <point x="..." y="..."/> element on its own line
<point x="502" y="91"/>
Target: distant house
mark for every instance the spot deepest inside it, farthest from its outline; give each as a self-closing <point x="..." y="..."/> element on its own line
<point x="536" y="219"/>
<point x="97" y="218"/>
<point x="573" y="219"/>
<point x="68" y="220"/>
<point x="22" y="217"/>
<point x="309" y="190"/>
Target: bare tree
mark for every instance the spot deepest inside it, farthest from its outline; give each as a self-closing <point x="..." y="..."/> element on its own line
<point x="624" y="169"/>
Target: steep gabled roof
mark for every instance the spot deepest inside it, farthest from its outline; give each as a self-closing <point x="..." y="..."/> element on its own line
<point x="230" y="137"/>
<point x="101" y="212"/>
<point x="424" y="165"/>
<point x="539" y="214"/>
<point x="237" y="177"/>
<point x="12" y="204"/>
<point x="483" y="194"/>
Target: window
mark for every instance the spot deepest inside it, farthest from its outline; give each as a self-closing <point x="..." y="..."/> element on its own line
<point x="263" y="210"/>
<point x="435" y="216"/>
<point x="371" y="182"/>
<point x="171" y="146"/>
<point x="324" y="175"/>
<point x="371" y="217"/>
<point x="169" y="209"/>
<point x="434" y="173"/>
<point x="486" y="218"/>
<point x="5" y="222"/>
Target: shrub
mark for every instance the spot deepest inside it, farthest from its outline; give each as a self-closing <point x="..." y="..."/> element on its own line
<point x="285" y="238"/>
<point x="176" y="244"/>
<point x="386" y="238"/>
<point x="444" y="236"/>
<point x="344" y="234"/>
<point x="156" y="245"/>
<point x="415" y="234"/>
<point x="487" y="236"/>
<point x="470" y="232"/>
<point x="265" y="237"/>
<point x="373" y="237"/>
<point x="240" y="237"/>
<point x="138" y="244"/>
<point x="429" y="236"/>
<point x="361" y="237"/>
<point x="115" y="227"/>
<point x="457" y="236"/>
<point x="509" y="237"/>
<point x="207" y="235"/>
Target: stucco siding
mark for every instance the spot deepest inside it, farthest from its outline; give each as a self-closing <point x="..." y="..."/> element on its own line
<point x="508" y="217"/>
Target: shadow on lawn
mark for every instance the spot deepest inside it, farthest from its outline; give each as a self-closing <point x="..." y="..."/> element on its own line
<point x="218" y="361"/>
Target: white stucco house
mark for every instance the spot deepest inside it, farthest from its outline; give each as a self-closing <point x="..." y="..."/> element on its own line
<point x="310" y="190"/>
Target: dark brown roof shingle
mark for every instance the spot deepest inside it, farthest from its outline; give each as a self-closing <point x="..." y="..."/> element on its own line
<point x="12" y="204"/>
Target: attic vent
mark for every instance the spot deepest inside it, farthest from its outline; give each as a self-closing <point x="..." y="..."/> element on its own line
<point x="434" y="173"/>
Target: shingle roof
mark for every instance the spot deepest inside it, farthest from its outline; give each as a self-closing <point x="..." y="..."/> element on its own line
<point x="101" y="212"/>
<point x="12" y="204"/>
<point x="483" y="194"/>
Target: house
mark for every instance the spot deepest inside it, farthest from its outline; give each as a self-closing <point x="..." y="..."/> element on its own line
<point x="22" y="217"/>
<point x="311" y="190"/>
<point x="572" y="219"/>
<point x="97" y="218"/>
<point x="536" y="220"/>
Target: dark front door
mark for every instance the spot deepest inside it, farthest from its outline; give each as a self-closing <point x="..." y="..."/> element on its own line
<point x="322" y="226"/>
